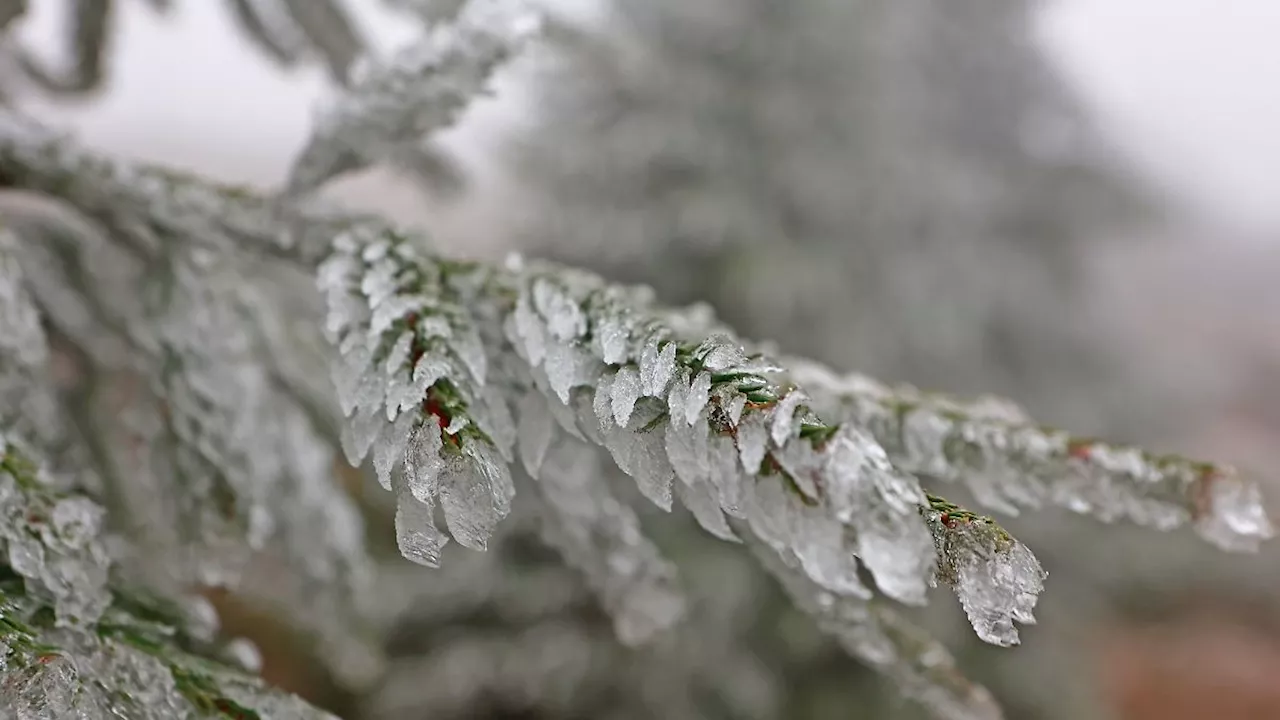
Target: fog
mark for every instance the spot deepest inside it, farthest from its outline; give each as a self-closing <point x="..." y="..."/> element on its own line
<point x="1186" y="88"/>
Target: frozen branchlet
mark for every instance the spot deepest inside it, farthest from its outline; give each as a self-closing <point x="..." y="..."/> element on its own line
<point x="702" y="409"/>
<point x="878" y="636"/>
<point x="697" y="417"/>
<point x="544" y="666"/>
<point x="784" y="463"/>
<point x="1009" y="462"/>
<point x="51" y="542"/>
<point x="71" y="645"/>
<point x="600" y="535"/>
<point x="288" y="32"/>
<point x="411" y="373"/>
<point x="28" y="401"/>
<point x="149" y="206"/>
<point x="165" y="297"/>
<point x="392" y="105"/>
<point x="996" y="577"/>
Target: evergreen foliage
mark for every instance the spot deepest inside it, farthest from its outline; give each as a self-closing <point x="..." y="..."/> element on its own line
<point x="181" y="361"/>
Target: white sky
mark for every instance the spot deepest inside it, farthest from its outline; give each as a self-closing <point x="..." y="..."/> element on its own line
<point x="1190" y="88"/>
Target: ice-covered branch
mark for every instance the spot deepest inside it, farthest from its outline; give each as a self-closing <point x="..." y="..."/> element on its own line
<point x="1009" y="462"/>
<point x="426" y="348"/>
<point x="448" y="371"/>
<point x="146" y="208"/>
<point x="73" y="645"/>
<point x="879" y="636"/>
<point x="287" y="31"/>
<point x="391" y="106"/>
<point x="202" y="444"/>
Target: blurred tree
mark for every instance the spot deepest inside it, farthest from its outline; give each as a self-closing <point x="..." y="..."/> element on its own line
<point x="900" y="186"/>
<point x="289" y="33"/>
<point x="915" y="165"/>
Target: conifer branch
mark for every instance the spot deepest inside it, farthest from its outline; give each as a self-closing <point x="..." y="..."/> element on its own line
<point x="74" y="644"/>
<point x="446" y="371"/>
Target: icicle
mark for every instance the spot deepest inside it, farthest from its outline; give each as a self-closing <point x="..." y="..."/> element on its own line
<point x="416" y="534"/>
<point x="819" y="543"/>
<point x="678" y="395"/>
<point x="753" y="439"/>
<point x="390" y="447"/>
<point x="467" y="499"/>
<point x="530" y="331"/>
<point x="997" y="579"/>
<point x="467" y="346"/>
<point x="492" y="472"/>
<point x="882" y="506"/>
<point x="422" y="462"/>
<point x="535" y="432"/>
<point x="687" y="450"/>
<point x="639" y="451"/>
<point x="657" y="366"/>
<point x="705" y="508"/>
<point x="699" y="393"/>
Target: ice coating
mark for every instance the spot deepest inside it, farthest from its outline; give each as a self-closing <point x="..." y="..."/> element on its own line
<point x="1010" y="463"/>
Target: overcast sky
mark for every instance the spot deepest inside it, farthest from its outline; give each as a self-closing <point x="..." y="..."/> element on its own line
<point x="1189" y="88"/>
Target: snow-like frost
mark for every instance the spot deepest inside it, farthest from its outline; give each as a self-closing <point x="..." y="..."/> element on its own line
<point x="613" y="336"/>
<point x="657" y="365"/>
<point x="390" y="106"/>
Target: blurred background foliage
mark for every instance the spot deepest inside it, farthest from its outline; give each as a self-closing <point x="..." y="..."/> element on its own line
<point x="903" y="187"/>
